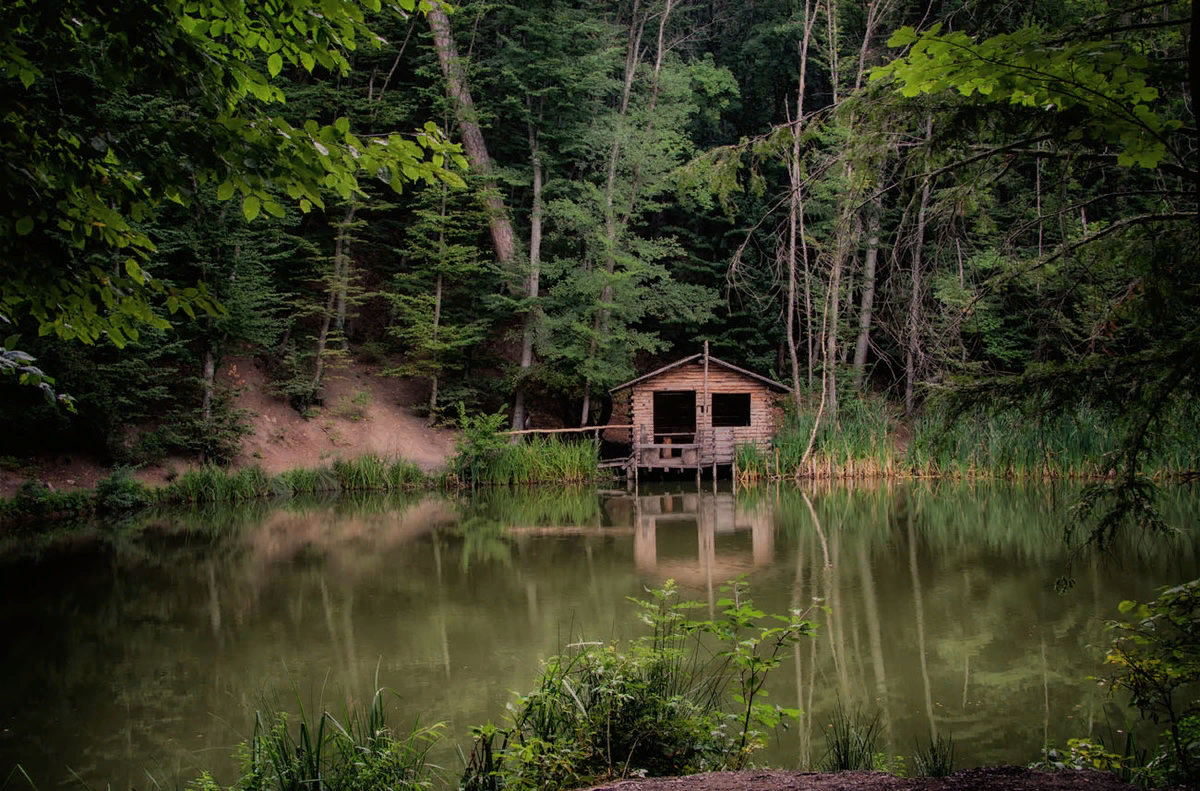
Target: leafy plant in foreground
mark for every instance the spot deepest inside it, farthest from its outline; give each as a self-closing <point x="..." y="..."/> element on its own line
<point x="1157" y="657"/>
<point x="358" y="752"/>
<point x="658" y="706"/>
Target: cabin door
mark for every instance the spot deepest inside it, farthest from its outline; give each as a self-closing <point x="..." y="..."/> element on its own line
<point x="674" y="417"/>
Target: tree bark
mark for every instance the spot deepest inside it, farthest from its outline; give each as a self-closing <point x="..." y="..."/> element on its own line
<point x="867" y="305"/>
<point x="914" y="309"/>
<point x="468" y="126"/>
<point x="341" y="272"/>
<point x="531" y="282"/>
<point x="797" y="243"/>
<point x="209" y="374"/>
<point x="437" y="317"/>
<point x="611" y="224"/>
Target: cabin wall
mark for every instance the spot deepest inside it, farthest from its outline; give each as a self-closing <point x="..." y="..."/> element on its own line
<point x="763" y="412"/>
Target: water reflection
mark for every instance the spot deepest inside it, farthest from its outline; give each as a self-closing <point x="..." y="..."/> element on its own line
<point x="149" y="648"/>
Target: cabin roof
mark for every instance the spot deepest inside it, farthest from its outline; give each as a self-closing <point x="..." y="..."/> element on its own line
<point x="712" y="361"/>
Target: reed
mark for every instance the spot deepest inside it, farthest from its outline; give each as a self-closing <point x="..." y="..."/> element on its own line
<point x="309" y="480"/>
<point x="322" y="752"/>
<point x="850" y="741"/>
<point x="369" y="472"/>
<point x="1080" y="444"/>
<point x="936" y="759"/>
<point x="539" y="460"/>
<point x="858" y="445"/>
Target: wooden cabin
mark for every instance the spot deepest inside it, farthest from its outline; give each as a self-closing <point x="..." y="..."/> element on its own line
<point x="694" y="413"/>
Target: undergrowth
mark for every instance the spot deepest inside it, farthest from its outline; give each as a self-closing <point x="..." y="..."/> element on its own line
<point x="688" y="697"/>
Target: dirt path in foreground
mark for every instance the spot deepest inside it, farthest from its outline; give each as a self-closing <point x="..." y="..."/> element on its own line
<point x="1000" y="778"/>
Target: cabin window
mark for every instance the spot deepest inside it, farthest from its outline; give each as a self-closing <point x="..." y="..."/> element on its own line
<point x="730" y="409"/>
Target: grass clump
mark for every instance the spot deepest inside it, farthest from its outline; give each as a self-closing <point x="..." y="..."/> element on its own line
<point x="1084" y="442"/>
<point x="359" y="751"/>
<point x="857" y="445"/>
<point x="212" y="484"/>
<point x="487" y="457"/>
<point x="663" y="705"/>
<point x="850" y="741"/>
<point x="936" y="759"/>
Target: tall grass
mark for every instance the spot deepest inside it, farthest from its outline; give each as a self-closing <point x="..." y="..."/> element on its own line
<point x="538" y="460"/>
<point x="212" y="484"/>
<point x="359" y="750"/>
<point x="936" y="759"/>
<point x="850" y="741"/>
<point x="865" y="442"/>
<point x="1083" y="443"/>
<point x="859" y="444"/>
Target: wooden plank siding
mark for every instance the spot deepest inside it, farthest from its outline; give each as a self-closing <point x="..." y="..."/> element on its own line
<point x="710" y="445"/>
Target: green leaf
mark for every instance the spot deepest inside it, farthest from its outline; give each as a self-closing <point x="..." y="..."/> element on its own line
<point x="274" y="64"/>
<point x="25" y="226"/>
<point x="342" y="125"/>
<point x="133" y="270"/>
<point x="225" y="191"/>
<point x="250" y="206"/>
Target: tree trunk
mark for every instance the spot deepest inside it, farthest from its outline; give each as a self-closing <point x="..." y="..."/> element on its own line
<point x="531" y="283"/>
<point x="867" y="305"/>
<point x="796" y="212"/>
<point x="791" y="271"/>
<point x="323" y="339"/>
<point x="835" y="284"/>
<point x="341" y="272"/>
<point x="437" y="317"/>
<point x="611" y="229"/>
<point x="914" y="309"/>
<point x="210" y="372"/>
<point x="468" y="126"/>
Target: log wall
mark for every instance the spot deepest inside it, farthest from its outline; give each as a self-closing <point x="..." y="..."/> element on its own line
<point x="717" y="445"/>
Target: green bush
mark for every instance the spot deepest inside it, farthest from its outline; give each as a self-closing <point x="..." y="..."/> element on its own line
<point x="663" y="705"/>
<point x="1157" y="660"/>
<point x="35" y="499"/>
<point x="119" y="493"/>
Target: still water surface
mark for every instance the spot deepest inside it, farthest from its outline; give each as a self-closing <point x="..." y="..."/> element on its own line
<point x="134" y="652"/>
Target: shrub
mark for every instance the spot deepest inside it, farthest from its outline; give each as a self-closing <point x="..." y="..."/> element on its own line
<point x="119" y="493"/>
<point x="1157" y="657"/>
<point x="655" y="707"/>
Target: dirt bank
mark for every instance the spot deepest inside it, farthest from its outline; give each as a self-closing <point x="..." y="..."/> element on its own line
<point x="363" y="413"/>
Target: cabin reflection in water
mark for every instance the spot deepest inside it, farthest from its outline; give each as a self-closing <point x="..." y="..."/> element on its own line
<point x="712" y="515"/>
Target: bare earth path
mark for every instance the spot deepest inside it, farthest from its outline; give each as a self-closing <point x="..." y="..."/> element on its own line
<point x="1001" y="778"/>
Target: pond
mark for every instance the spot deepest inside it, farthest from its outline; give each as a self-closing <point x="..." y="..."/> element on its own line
<point x="136" y="654"/>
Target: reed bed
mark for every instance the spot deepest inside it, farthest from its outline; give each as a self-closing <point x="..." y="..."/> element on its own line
<point x="1082" y="445"/>
<point x="358" y="749"/>
<point x="212" y="484"/>
<point x="859" y="445"/>
<point x="539" y="460"/>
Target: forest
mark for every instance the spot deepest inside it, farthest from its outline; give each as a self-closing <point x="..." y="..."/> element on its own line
<point x="957" y="209"/>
